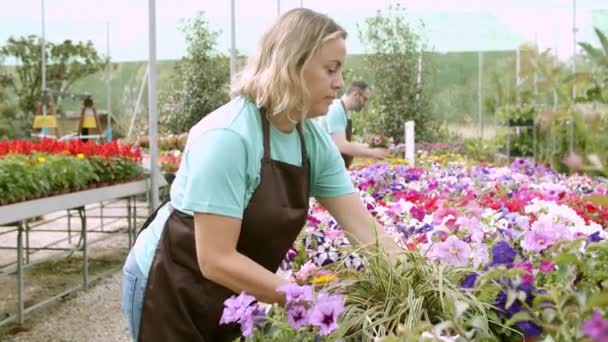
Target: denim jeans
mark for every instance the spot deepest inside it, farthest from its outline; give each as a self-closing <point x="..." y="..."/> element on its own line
<point x="133" y="286"/>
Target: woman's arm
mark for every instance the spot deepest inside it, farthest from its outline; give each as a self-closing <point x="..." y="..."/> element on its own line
<point x="359" y="225"/>
<point x="216" y="239"/>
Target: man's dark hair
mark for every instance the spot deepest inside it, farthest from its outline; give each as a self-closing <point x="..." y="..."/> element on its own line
<point x="356" y="85"/>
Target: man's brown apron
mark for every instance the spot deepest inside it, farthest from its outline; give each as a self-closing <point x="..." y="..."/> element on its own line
<point x="182" y="305"/>
<point x="349" y="135"/>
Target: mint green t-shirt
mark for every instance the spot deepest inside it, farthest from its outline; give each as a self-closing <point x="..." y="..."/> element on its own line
<point x="220" y="167"/>
<point x="336" y="118"/>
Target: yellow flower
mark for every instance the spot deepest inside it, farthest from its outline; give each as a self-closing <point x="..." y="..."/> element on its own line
<point x="80" y="156"/>
<point x="41" y="160"/>
<point x="324" y="279"/>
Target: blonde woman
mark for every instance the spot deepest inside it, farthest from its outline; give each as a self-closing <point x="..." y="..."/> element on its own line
<point x="241" y="194"/>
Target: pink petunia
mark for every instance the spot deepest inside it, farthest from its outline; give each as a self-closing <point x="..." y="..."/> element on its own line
<point x="453" y="251"/>
<point x="537" y="241"/>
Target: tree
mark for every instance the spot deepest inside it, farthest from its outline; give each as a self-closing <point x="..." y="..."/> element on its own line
<point x="201" y="80"/>
<point x="6" y="82"/>
<point x="66" y="63"/>
<point x="598" y="91"/>
<point x="11" y="124"/>
<point x="393" y="63"/>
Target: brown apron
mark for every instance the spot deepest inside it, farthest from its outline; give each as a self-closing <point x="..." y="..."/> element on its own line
<point x="182" y="305"/>
<point x="349" y="135"/>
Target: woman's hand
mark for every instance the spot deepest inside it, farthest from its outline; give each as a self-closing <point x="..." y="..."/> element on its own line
<point x="359" y="225"/>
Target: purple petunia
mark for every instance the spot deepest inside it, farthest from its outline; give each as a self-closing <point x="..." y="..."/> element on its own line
<point x="596" y="327"/>
<point x="297" y="316"/>
<point x="234" y="307"/>
<point x="295" y="293"/>
<point x="528" y="328"/>
<point x="503" y="254"/>
<point x="242" y="309"/>
<point x="252" y="317"/>
<point x="469" y="281"/>
<point x="326" y="311"/>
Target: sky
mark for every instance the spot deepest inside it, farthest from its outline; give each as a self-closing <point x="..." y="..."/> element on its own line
<point x="450" y="25"/>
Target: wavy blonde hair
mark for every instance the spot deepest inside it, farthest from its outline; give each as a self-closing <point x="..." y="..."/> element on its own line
<point x="273" y="77"/>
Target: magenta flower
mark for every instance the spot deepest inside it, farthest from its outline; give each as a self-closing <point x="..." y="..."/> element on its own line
<point x="295" y="293"/>
<point x="526" y="266"/>
<point x="537" y="241"/>
<point x="297" y="316"/>
<point x="596" y="327"/>
<point x="453" y="251"/>
<point x="546" y="266"/>
<point x="326" y="311"/>
<point x="417" y="213"/>
<point x="528" y="278"/>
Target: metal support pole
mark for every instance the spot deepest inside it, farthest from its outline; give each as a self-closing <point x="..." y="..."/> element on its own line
<point x="101" y="214"/>
<point x="232" y="42"/>
<point x="134" y="224"/>
<point x="27" y="242"/>
<point x="479" y="94"/>
<point x="43" y="61"/>
<point x="43" y="130"/>
<point x="152" y="97"/>
<point x="69" y="227"/>
<point x="574" y="30"/>
<point x="108" y="87"/>
<point x="129" y="222"/>
<point x="85" y="254"/>
<point x="20" y="297"/>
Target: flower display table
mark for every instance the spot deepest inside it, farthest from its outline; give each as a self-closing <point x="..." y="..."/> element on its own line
<point x="17" y="214"/>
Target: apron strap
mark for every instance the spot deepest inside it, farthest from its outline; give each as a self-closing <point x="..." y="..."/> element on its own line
<point x="266" y="137"/>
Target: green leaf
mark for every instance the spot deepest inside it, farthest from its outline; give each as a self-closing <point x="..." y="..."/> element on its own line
<point x="599" y="300"/>
<point x="511" y="298"/>
<point x="548" y="315"/>
<point x="518" y="317"/>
